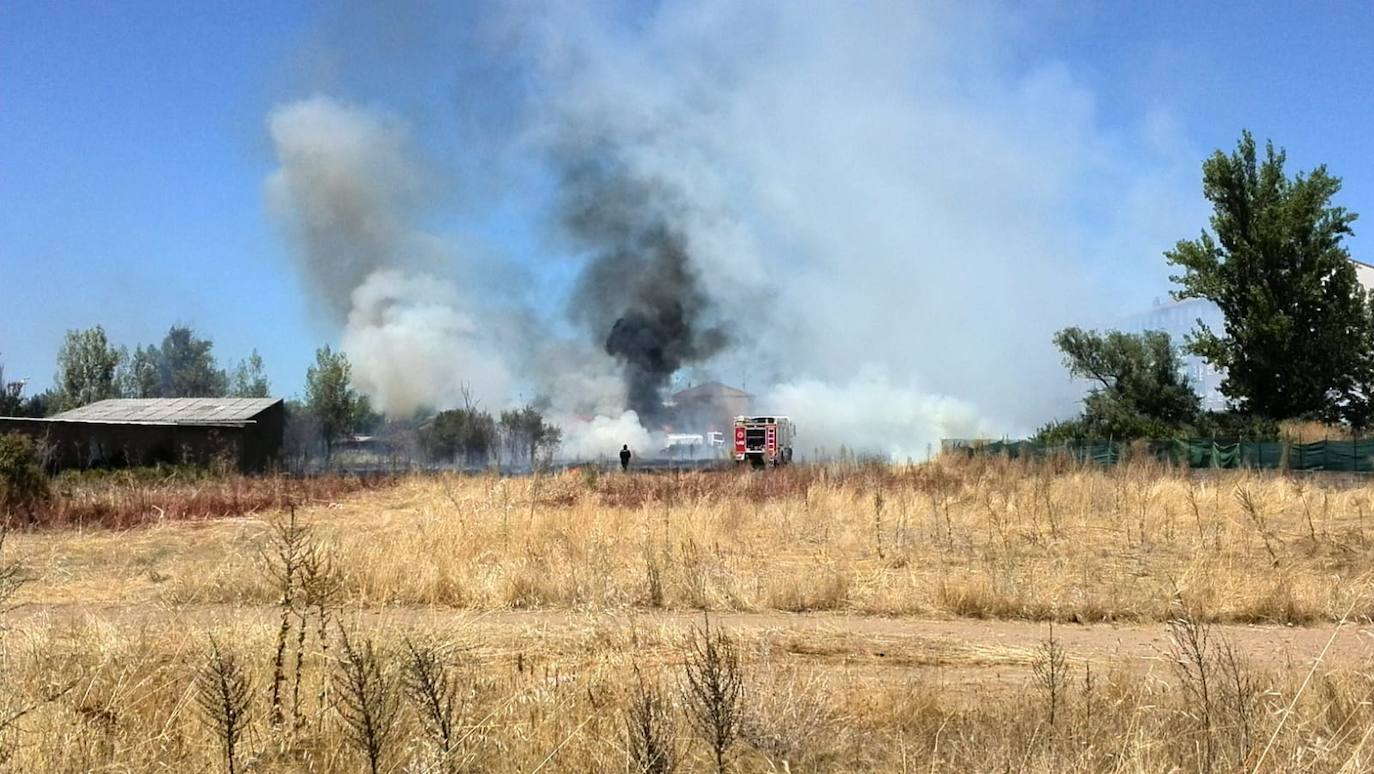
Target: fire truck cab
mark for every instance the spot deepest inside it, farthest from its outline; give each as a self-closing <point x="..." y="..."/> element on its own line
<point x="764" y="441"/>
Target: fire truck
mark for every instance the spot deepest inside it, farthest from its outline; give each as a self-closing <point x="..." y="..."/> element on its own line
<point x="764" y="440"/>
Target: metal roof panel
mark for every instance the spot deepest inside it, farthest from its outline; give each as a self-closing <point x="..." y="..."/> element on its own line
<point x="170" y="411"/>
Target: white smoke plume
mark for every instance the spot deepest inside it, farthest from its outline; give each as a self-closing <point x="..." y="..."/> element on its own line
<point x="600" y="437"/>
<point x="870" y="414"/>
<point x="888" y="209"/>
<point x="346" y="190"/>
<point x="411" y="344"/>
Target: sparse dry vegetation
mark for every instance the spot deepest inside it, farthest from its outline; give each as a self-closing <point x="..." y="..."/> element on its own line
<point x="455" y="623"/>
<point x="979" y="539"/>
<point x="120" y="499"/>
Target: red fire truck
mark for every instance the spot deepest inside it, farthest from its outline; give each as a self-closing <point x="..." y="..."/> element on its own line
<point x="764" y="440"/>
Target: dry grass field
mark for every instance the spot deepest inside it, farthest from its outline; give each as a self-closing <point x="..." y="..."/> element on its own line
<point x="957" y="616"/>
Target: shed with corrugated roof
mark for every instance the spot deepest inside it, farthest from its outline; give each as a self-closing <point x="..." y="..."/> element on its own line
<point x="244" y="433"/>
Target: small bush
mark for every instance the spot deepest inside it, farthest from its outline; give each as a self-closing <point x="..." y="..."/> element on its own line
<point x="1230" y="424"/>
<point x="23" y="485"/>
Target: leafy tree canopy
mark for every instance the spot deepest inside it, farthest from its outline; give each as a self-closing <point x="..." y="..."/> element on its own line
<point x="249" y="379"/>
<point x="467" y="433"/>
<point x="337" y="408"/>
<point x="1297" y="335"/>
<point x="86" y="368"/>
<point x="1142" y="390"/>
<point x="140" y="376"/>
<point x="526" y="433"/>
<point x="186" y="366"/>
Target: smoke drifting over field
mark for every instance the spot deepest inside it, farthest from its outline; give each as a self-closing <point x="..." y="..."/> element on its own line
<point x="872" y="217"/>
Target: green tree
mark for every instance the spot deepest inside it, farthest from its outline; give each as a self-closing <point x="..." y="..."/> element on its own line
<point x="526" y="434"/>
<point x="1142" y="390"/>
<point x="11" y="396"/>
<point x="22" y="483"/>
<point x="301" y="435"/>
<point x="337" y="408"/>
<point x="186" y="366"/>
<point x="1297" y="337"/>
<point x="467" y="433"/>
<point x="39" y="404"/>
<point x="140" y="376"/>
<point x="86" y="368"/>
<point x="249" y="379"/>
<point x="14" y="404"/>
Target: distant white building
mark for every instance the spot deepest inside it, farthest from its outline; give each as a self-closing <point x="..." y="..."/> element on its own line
<point x="1364" y="273"/>
<point x="1179" y="318"/>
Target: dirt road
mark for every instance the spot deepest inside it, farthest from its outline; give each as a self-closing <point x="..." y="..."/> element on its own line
<point x="1004" y="647"/>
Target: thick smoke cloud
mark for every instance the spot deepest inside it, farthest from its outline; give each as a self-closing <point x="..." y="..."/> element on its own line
<point x="873" y="216"/>
<point x="640" y="294"/>
<point x="413" y="345"/>
<point x="890" y="213"/>
<point x="343" y="191"/>
<point x="346" y="191"/>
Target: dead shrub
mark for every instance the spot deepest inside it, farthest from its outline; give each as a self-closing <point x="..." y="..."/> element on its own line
<point x="284" y="559"/>
<point x="438" y="697"/>
<point x="651" y="734"/>
<point x="366" y="699"/>
<point x="224" y="697"/>
<point x="1051" y="669"/>
<point x="790" y="714"/>
<point x="713" y="691"/>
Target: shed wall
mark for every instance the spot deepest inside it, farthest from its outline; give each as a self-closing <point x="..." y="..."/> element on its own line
<point x="70" y="444"/>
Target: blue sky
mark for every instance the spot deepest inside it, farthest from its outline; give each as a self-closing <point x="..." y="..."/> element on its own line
<point x="133" y="147"/>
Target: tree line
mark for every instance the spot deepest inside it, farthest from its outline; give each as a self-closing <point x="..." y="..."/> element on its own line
<point x="91" y="368"/>
<point x="474" y="438"/>
<point x="1297" y="341"/>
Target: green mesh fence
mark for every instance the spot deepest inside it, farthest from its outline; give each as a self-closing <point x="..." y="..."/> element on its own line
<point x="1354" y="456"/>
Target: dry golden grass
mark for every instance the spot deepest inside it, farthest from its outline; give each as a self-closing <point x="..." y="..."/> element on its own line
<point x="543" y="595"/>
<point x="119" y="499"/>
<point x="1307" y="431"/>
<point x="979" y="540"/>
<point x="119" y="696"/>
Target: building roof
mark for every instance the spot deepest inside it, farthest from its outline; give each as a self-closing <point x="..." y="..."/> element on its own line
<point x="170" y="411"/>
<point x="709" y="391"/>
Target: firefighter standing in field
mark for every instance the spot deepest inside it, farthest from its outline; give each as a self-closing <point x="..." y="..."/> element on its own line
<point x="625" y="457"/>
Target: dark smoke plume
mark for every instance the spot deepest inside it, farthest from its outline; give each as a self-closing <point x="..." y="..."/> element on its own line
<point x="640" y="294"/>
